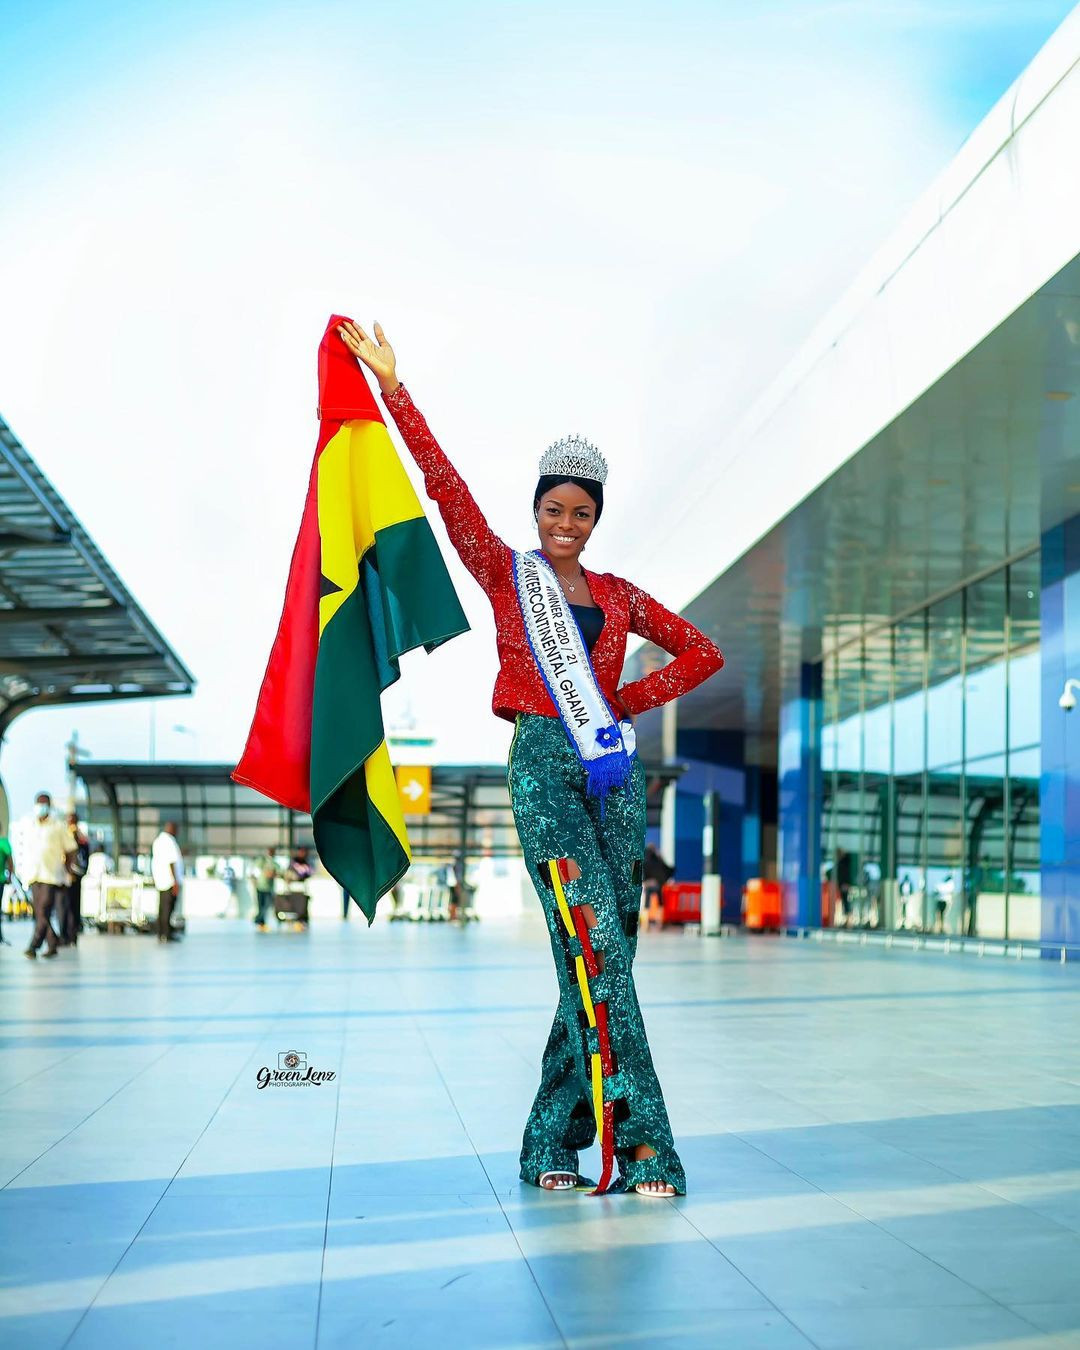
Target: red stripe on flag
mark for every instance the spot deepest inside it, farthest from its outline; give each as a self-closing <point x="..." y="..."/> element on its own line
<point x="277" y="756"/>
<point x="344" y="393"/>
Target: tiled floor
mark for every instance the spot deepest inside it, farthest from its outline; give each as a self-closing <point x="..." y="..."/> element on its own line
<point x="883" y="1150"/>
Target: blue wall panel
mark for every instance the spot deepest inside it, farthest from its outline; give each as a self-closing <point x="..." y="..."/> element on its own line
<point x="714" y="761"/>
<point x="1060" y="781"/>
<point x="799" y="770"/>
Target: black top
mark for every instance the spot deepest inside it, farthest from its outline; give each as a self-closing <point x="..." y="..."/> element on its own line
<point x="590" y="619"/>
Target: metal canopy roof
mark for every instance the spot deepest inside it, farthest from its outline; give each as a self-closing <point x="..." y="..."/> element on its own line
<point x="129" y="802"/>
<point x="70" y="632"/>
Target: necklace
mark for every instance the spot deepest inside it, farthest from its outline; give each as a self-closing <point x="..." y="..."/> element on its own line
<point x="571" y="586"/>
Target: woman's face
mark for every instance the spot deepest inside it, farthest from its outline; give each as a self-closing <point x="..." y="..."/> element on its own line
<point x="565" y="519"/>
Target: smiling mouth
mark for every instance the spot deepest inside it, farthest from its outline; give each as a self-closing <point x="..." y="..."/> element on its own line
<point x="564" y="538"/>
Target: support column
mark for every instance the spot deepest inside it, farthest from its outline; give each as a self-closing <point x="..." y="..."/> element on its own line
<point x="668" y="754"/>
<point x="711" y="879"/>
<point x="799" y="773"/>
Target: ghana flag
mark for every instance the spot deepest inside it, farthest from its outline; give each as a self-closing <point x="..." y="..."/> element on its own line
<point x="366" y="583"/>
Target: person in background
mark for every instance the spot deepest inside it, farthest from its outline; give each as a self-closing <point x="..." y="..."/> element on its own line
<point x="655" y="874"/>
<point x="944" y="894"/>
<point x="264" y="873"/>
<point x="299" y="866"/>
<point x="297" y="875"/>
<point x="46" y="843"/>
<point x="906" y="891"/>
<point x="99" y="864"/>
<point x="458" y="888"/>
<point x="7" y="871"/>
<point x="69" y="898"/>
<point x="845" y="880"/>
<point x="167" y="867"/>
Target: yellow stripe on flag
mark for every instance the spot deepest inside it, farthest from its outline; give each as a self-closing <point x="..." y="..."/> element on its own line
<point x="383" y="793"/>
<point x="362" y="489"/>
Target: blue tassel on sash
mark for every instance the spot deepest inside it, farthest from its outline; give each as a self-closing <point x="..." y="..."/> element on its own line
<point x="606" y="773"/>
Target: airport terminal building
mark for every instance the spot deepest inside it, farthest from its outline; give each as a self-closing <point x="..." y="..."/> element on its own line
<point x="896" y="584"/>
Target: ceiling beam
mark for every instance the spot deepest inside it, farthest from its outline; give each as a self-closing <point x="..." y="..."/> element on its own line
<point x="23" y="536"/>
<point x="24" y="618"/>
<point x="85" y="667"/>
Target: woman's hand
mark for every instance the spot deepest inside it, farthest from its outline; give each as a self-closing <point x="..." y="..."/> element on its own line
<point x="375" y="353"/>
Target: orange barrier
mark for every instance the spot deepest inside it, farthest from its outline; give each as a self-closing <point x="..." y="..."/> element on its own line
<point x="682" y="902"/>
<point x="829" y="896"/>
<point x="761" y="904"/>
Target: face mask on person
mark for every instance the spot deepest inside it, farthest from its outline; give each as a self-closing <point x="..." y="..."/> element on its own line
<point x="42" y="810"/>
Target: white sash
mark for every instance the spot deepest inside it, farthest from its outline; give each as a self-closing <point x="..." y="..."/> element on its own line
<point x="605" y="747"/>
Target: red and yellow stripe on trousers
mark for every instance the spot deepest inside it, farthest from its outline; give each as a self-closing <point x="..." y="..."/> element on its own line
<point x="601" y="1064"/>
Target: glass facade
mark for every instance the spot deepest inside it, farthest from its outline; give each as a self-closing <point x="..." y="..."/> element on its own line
<point x="930" y="766"/>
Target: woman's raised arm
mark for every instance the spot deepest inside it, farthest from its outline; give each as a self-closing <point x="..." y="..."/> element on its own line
<point x="477" y="545"/>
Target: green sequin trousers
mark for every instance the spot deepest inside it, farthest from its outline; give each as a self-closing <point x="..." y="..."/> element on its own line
<point x="556" y="820"/>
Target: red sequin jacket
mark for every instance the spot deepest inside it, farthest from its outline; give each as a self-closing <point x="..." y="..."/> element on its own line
<point x="519" y="686"/>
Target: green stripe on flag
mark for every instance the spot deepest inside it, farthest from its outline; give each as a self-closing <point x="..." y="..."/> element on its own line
<point x="404" y="600"/>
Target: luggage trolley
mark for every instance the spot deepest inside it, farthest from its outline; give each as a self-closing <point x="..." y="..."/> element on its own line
<point x="116" y="899"/>
<point x="128" y="902"/>
<point x="17" y="902"/>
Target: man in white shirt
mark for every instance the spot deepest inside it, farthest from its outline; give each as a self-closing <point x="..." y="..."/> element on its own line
<point x="264" y="872"/>
<point x="43" y="871"/>
<point x="167" y="867"/>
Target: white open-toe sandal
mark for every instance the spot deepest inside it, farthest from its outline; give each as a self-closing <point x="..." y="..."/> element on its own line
<point x="568" y="1181"/>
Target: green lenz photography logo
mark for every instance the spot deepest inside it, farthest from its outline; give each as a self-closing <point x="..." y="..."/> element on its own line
<point x="293" y="1070"/>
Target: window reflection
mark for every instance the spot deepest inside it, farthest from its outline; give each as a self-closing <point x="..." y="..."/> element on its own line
<point x="1025" y="703"/>
<point x="985" y="726"/>
<point x="944" y="762"/>
<point x="1024" y="589"/>
<point x="930" y="798"/>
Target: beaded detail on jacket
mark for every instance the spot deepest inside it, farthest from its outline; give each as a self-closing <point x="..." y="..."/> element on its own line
<point x="519" y="686"/>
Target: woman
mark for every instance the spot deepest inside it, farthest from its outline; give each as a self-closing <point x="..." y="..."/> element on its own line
<point x="577" y="789"/>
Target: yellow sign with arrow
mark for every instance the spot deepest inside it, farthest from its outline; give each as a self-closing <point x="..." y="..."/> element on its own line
<point x="414" y="788"/>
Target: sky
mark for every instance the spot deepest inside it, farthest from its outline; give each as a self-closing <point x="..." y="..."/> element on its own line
<point x="614" y="219"/>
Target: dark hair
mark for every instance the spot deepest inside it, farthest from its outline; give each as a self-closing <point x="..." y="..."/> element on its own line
<point x="548" y="481"/>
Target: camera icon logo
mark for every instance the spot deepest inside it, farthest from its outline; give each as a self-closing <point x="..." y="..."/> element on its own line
<point x="291" y="1059"/>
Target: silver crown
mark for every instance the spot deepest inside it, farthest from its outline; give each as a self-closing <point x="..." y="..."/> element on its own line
<point x="576" y="458"/>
